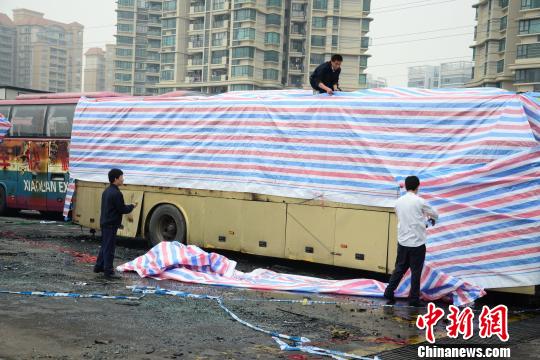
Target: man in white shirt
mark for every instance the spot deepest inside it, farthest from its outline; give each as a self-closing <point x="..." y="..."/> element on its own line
<point x="412" y="212"/>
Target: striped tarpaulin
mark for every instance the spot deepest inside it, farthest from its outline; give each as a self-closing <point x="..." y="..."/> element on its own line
<point x="188" y="263"/>
<point x="5" y="125"/>
<point x="476" y="152"/>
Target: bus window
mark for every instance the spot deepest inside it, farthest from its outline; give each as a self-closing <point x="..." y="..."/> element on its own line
<point x="28" y="120"/>
<point x="4" y="110"/>
<point x="59" y="120"/>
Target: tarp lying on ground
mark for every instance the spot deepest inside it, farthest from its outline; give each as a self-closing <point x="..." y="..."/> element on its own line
<point x="188" y="263"/>
<point x="476" y="151"/>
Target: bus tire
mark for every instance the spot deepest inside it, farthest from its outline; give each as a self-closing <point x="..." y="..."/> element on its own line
<point x="166" y="224"/>
<point x="4" y="210"/>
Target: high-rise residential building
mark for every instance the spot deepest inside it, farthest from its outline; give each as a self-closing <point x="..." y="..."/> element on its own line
<point x="8" y="40"/>
<point x="219" y="45"/>
<point x="110" y="53"/>
<point x="138" y="46"/>
<point x="506" y="52"/>
<point x="49" y="53"/>
<point x="455" y="74"/>
<point x="376" y="82"/>
<point x="423" y="76"/>
<point x="94" y="70"/>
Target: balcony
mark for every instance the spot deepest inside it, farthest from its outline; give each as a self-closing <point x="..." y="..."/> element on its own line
<point x="197" y="9"/>
<point x="195" y="62"/>
<point x="223" y="62"/>
<point x="224" y="24"/>
<point x="191" y="80"/>
<point x="225" y="6"/>
<point x="298" y="15"/>
<point x="196" y="27"/>
<point x="221" y="77"/>
<point x="195" y="45"/>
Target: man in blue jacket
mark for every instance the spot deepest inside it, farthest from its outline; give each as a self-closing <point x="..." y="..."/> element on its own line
<point x="112" y="210"/>
<point x="325" y="78"/>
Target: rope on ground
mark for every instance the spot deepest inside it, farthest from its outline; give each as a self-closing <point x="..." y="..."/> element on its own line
<point x="72" y="295"/>
<point x="299" y="342"/>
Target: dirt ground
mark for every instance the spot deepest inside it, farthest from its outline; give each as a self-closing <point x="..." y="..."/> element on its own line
<point x="53" y="256"/>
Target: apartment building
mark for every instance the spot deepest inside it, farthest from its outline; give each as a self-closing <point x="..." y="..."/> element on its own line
<point x="215" y="46"/>
<point x="376" y="82"/>
<point x="507" y="45"/>
<point x="455" y="74"/>
<point x="94" y="70"/>
<point x="110" y="52"/>
<point x="138" y="46"/>
<point x="423" y="76"/>
<point x="8" y="41"/>
<point x="48" y="53"/>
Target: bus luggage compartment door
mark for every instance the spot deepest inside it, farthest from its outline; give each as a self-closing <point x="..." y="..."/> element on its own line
<point x="361" y="239"/>
<point x="310" y="233"/>
<point x="32" y="184"/>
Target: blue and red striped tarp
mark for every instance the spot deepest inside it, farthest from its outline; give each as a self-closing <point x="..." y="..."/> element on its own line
<point x="5" y="125"/>
<point x="188" y="263"/>
<point x="476" y="152"/>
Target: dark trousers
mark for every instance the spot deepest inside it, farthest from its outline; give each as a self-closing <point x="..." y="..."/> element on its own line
<point x="106" y="252"/>
<point x="408" y="257"/>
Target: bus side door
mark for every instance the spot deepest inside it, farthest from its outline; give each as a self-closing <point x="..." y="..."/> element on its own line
<point x="59" y="122"/>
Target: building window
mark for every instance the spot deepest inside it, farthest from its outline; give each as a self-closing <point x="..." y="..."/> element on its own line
<point x="126" y="2"/>
<point x="320" y="4"/>
<point x="243" y="52"/>
<point x="154" y="44"/>
<point x="527" y="75"/>
<point x="335" y="40"/>
<point x="500" y="66"/>
<point x="366" y="5"/>
<point x="362" y="79"/>
<point x="275" y="3"/>
<point x="363" y="61"/>
<point x="273" y="19"/>
<point x="530" y="4"/>
<point x="244" y="34"/>
<point x="124" y="40"/>
<point x="218" y="39"/>
<point x="242" y="87"/>
<point x="219" y="5"/>
<point x="503" y="3"/>
<point x="169" y="40"/>
<point x="245" y="14"/>
<point x="270" y="74"/>
<point x="167" y="58"/>
<point x="502" y="44"/>
<point x="167" y="75"/>
<point x="124" y="65"/>
<point x="242" y="71"/>
<point x="318" y="22"/>
<point x="169" y="5"/>
<point x="316" y="58"/>
<point x="125" y="15"/>
<point x="504" y="22"/>
<point x="124" y="52"/>
<point x="168" y="23"/>
<point x="317" y="40"/>
<point x="271" y="55"/>
<point x="125" y="27"/>
<point x="272" y="38"/>
<point x="528" y="51"/>
<point x="365" y="25"/>
<point x="217" y="56"/>
<point x="364" y="42"/>
<point x="529" y="26"/>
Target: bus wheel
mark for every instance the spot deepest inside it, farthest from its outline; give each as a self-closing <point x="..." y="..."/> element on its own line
<point x="4" y="210"/>
<point x="166" y="224"/>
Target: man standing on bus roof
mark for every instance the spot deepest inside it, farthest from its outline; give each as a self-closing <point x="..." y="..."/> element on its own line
<point x="325" y="78"/>
<point x="412" y="212"/>
<point x="112" y="209"/>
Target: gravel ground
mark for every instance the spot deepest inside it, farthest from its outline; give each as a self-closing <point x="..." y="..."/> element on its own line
<point x="52" y="256"/>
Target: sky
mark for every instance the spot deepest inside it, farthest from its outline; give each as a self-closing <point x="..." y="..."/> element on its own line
<point x="403" y="33"/>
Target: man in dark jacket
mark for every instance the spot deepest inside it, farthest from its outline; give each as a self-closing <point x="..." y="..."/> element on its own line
<point x="112" y="209"/>
<point x="325" y="78"/>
